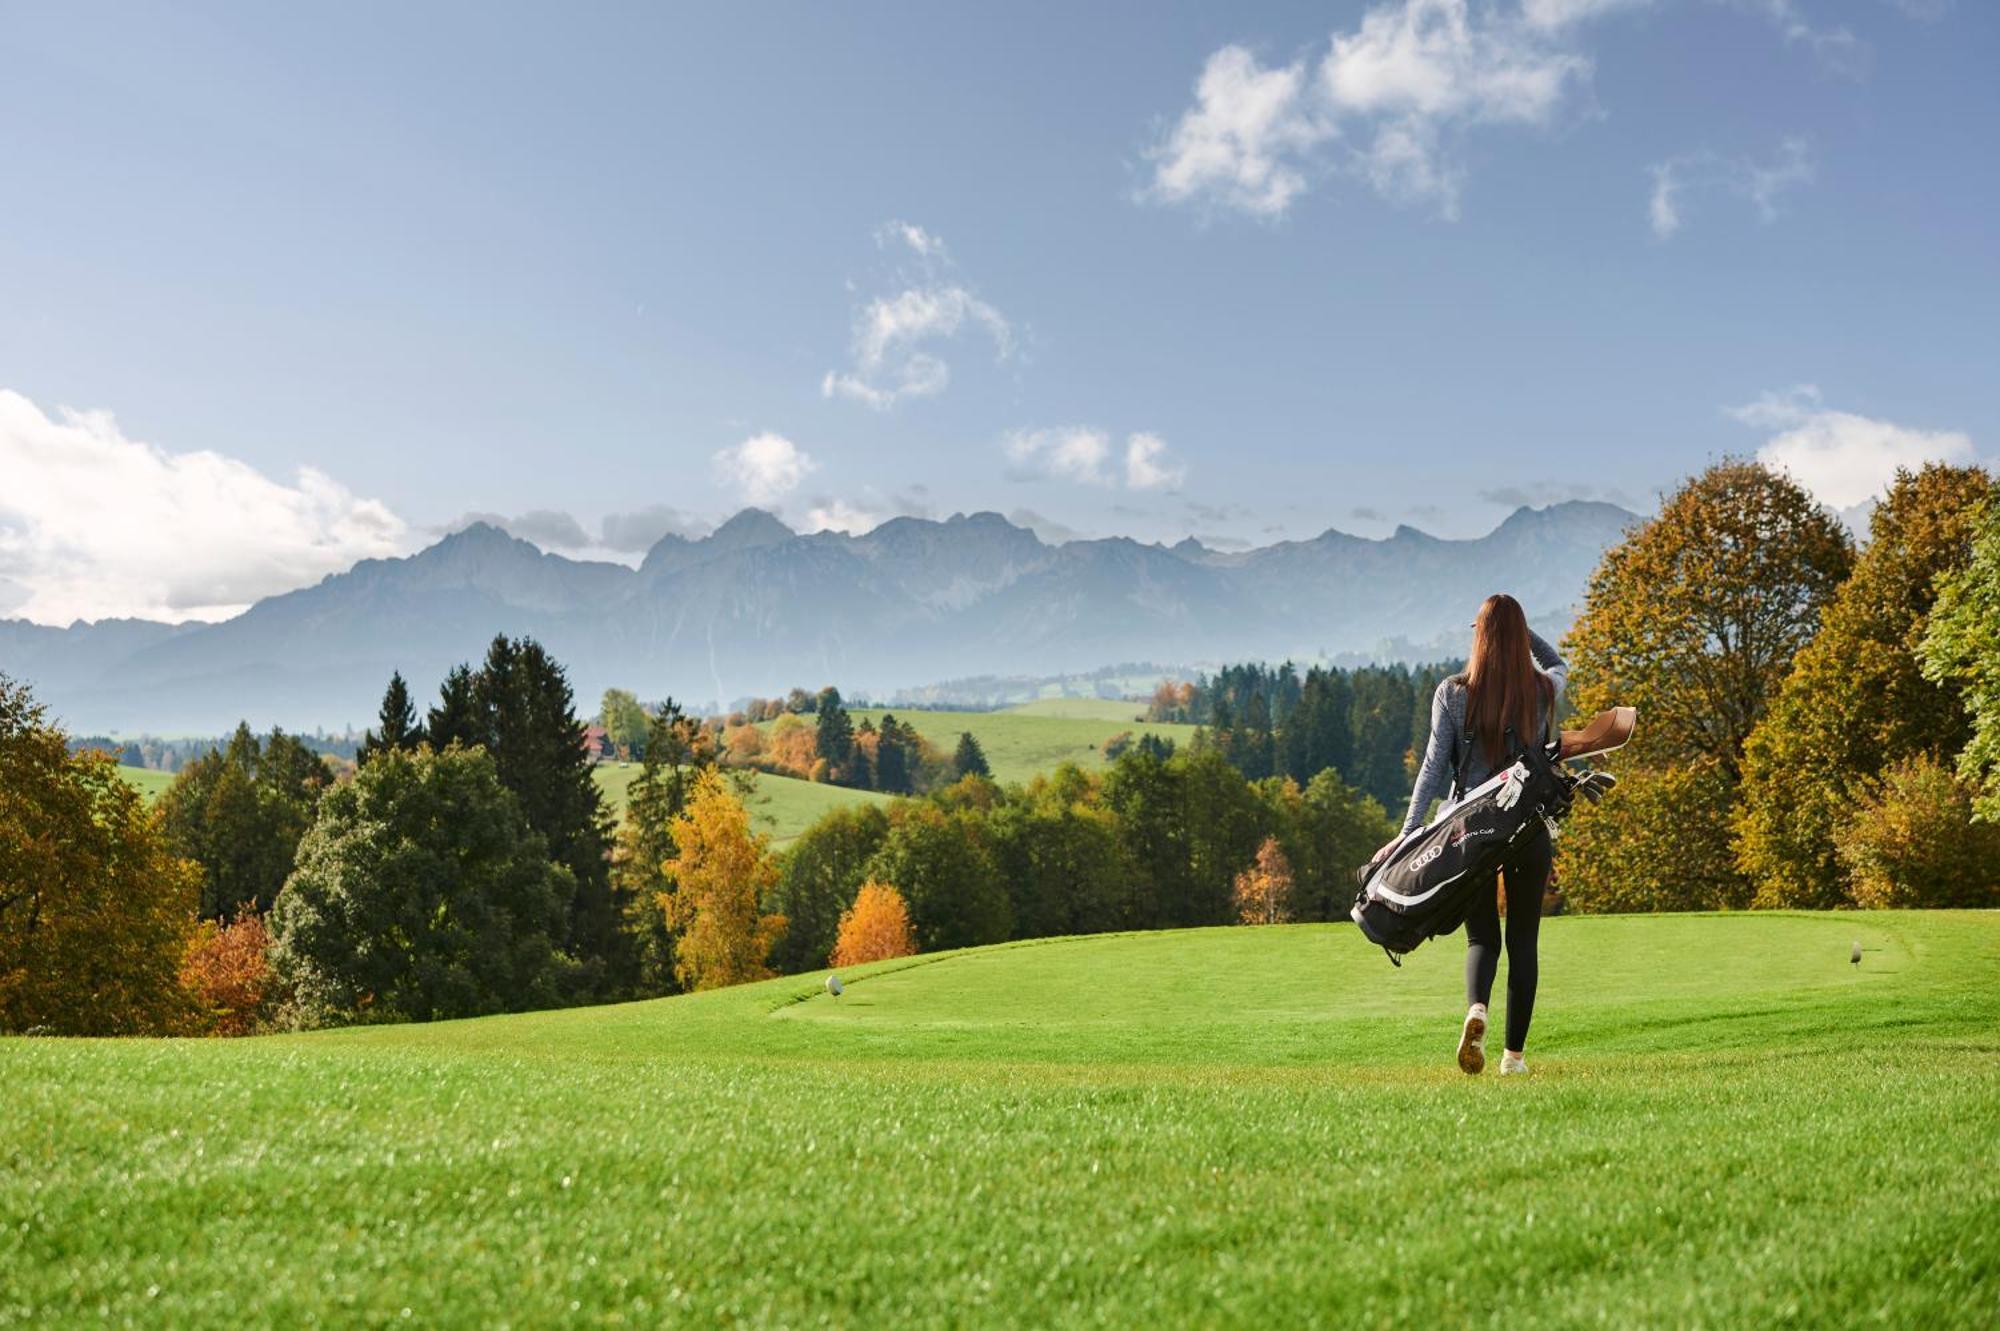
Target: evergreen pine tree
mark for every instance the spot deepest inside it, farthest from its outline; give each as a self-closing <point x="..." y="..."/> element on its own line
<point x="970" y="758"/>
<point x="835" y="736"/>
<point x="892" y="757"/>
<point x="456" y="715"/>
<point x="396" y="727"/>
<point x="537" y="744"/>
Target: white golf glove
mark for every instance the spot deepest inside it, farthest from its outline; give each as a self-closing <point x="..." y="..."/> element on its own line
<point x="1510" y="791"/>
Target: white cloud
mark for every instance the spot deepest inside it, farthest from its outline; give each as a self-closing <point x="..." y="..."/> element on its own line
<point x="890" y="359"/>
<point x="1758" y="182"/>
<point x="94" y="524"/>
<point x="1242" y="144"/>
<point x="1408" y="81"/>
<point x="1842" y="458"/>
<point x="841" y="515"/>
<point x="1552" y="14"/>
<point x="764" y="468"/>
<point x="1147" y="466"/>
<point x="1066" y="452"/>
<point x="1391" y="101"/>
<point x="1087" y="456"/>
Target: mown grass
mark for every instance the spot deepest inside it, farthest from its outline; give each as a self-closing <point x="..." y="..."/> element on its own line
<point x="1728" y="1125"/>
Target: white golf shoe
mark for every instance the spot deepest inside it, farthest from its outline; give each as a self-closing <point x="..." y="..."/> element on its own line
<point x="1513" y="1065"/>
<point x="1472" y="1042"/>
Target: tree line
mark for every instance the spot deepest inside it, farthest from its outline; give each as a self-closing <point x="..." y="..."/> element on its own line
<point x="812" y="736"/>
<point x="1362" y="724"/>
<point x="1818" y="724"/>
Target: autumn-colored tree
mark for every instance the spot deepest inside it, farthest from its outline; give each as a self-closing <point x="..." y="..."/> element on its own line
<point x="875" y="928"/>
<point x="721" y="871"/>
<point x="1695" y="617"/>
<point x="743" y="743"/>
<point x="1660" y="842"/>
<point x="228" y="975"/>
<point x="1912" y="842"/>
<point x="95" y="908"/>
<point x="1962" y="646"/>
<point x="1264" y="890"/>
<point x="790" y="746"/>
<point x="1855" y="700"/>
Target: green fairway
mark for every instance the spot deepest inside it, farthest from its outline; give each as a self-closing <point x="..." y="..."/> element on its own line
<point x="1728" y="1125"/>
<point x="780" y="806"/>
<point x="1024" y="741"/>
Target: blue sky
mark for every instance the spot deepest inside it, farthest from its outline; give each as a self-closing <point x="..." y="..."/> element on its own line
<point x="1152" y="269"/>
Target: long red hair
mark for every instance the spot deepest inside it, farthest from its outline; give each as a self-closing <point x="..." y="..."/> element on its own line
<point x="1502" y="686"/>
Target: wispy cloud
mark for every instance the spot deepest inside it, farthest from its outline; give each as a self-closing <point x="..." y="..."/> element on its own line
<point x="96" y="524"/>
<point x="1844" y="459"/>
<point x="891" y="355"/>
<point x="1760" y="183"/>
<point x="1089" y="456"/>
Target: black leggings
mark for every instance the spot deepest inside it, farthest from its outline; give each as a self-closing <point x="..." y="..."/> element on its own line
<point x="1527" y="865"/>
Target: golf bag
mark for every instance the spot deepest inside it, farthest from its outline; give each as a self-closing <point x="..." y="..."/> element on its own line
<point x="1423" y="886"/>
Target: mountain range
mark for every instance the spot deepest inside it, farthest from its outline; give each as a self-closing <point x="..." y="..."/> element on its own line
<point x="755" y="608"/>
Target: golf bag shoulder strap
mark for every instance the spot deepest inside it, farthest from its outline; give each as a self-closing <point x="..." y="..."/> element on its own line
<point x="1461" y="747"/>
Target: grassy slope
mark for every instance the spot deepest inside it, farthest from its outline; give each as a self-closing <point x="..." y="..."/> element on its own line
<point x="1023" y="741"/>
<point x="779" y="805"/>
<point x="1728" y="1125"/>
<point x="150" y="783"/>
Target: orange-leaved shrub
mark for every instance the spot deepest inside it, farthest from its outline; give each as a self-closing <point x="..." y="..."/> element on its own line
<point x="875" y="928"/>
<point x="228" y="975"/>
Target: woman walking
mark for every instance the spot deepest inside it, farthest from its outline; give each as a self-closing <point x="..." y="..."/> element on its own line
<point x="1511" y="681"/>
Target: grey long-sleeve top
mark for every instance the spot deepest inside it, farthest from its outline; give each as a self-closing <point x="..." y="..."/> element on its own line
<point x="1448" y="725"/>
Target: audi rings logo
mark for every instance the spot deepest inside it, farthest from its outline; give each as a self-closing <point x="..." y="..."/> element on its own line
<point x="1425" y="858"/>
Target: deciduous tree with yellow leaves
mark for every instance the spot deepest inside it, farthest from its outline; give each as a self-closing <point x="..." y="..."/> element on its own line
<point x="721" y="871"/>
<point x="95" y="909"/>
<point x="1264" y="890"/>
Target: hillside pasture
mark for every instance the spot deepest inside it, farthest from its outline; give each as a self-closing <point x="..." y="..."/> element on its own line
<point x="1023" y="742"/>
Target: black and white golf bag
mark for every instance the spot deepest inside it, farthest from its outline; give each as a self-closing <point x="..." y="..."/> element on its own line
<point x="1422" y="888"/>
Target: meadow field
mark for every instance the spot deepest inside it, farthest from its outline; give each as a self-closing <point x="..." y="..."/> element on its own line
<point x="1021" y="742"/>
<point x="149" y="782"/>
<point x="1728" y="1124"/>
<point x="781" y="807"/>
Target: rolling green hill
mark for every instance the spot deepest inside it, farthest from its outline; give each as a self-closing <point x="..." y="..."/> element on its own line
<point x="1023" y="741"/>
<point x="1728" y="1125"/>
<point x="780" y="806"/>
